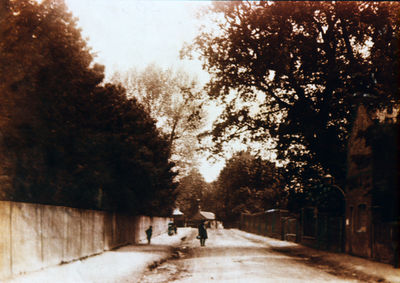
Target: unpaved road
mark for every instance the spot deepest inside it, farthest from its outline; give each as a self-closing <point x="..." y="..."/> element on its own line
<point x="230" y="256"/>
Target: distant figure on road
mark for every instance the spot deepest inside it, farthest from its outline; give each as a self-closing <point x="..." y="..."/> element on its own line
<point x="202" y="234"/>
<point x="171" y="228"/>
<point x="149" y="232"/>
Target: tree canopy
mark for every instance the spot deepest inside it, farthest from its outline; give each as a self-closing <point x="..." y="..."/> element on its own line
<point x="66" y="137"/>
<point x="175" y="101"/>
<point x="305" y="65"/>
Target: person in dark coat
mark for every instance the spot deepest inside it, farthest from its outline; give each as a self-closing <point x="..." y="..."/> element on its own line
<point x="202" y="234"/>
<point x="149" y="232"/>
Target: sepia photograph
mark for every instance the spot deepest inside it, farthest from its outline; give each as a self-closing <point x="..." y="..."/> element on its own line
<point x="157" y="141"/>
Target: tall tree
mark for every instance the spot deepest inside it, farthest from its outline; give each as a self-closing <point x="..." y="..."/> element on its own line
<point x="66" y="138"/>
<point x="175" y="101"/>
<point x="45" y="66"/>
<point x="304" y="64"/>
<point x="123" y="155"/>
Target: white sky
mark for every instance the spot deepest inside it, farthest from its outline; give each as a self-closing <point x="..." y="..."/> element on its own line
<point x="135" y="33"/>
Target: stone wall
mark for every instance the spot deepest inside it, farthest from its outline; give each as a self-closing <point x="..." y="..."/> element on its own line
<point x="35" y="236"/>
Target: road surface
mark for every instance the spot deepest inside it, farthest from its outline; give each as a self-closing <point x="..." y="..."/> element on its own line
<point x="233" y="256"/>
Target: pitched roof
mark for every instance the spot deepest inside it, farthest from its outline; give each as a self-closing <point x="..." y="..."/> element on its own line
<point x="203" y="215"/>
<point x="177" y="212"/>
<point x="207" y="215"/>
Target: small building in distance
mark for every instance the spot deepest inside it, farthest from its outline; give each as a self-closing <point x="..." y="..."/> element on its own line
<point x="206" y="216"/>
<point x="179" y="217"/>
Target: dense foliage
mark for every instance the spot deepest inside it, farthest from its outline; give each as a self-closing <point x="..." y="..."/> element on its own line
<point x="66" y="138"/>
<point x="248" y="185"/>
<point x="305" y="65"/>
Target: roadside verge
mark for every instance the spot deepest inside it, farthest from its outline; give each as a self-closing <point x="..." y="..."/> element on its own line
<point x="125" y="264"/>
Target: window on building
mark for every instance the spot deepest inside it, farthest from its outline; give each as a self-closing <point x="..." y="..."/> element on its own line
<point x="362" y="218"/>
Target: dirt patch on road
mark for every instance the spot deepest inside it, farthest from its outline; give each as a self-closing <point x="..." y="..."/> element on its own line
<point x="169" y="269"/>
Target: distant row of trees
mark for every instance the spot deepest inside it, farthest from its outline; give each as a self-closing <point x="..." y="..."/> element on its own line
<point x="66" y="137"/>
<point x="246" y="184"/>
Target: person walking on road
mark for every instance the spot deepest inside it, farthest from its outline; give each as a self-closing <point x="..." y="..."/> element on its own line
<point x="202" y="234"/>
<point x="149" y="232"/>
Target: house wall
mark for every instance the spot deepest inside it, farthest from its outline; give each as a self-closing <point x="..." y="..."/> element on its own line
<point x="359" y="183"/>
<point x="366" y="235"/>
<point x="35" y="236"/>
<point x="358" y="224"/>
<point x="386" y="242"/>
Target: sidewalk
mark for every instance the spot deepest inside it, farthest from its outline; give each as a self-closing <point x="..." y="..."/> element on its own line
<point x="335" y="262"/>
<point x="125" y="264"/>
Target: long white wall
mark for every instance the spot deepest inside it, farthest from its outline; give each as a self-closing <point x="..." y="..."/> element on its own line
<point x="35" y="236"/>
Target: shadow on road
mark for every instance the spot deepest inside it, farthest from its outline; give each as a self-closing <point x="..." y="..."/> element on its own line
<point x="316" y="259"/>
